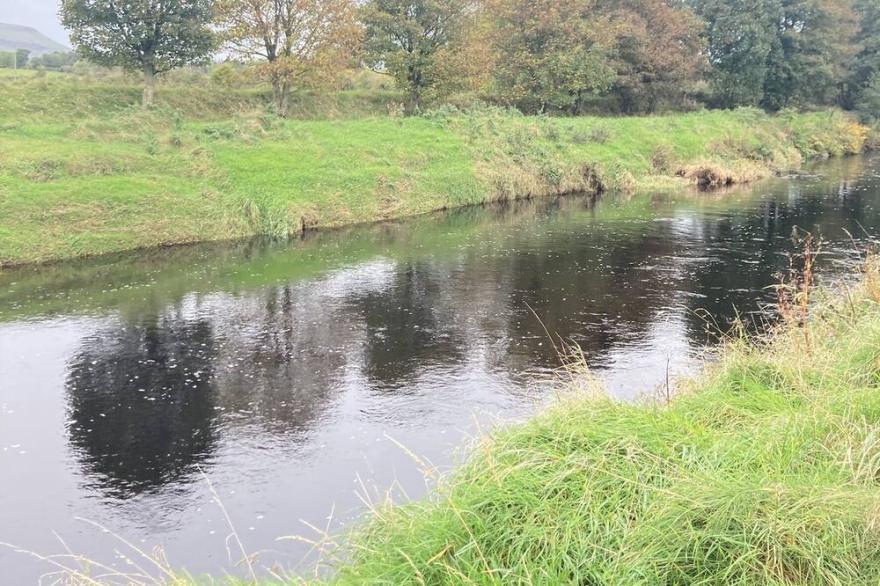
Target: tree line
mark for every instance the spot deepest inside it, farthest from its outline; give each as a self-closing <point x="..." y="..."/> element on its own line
<point x="21" y="58"/>
<point x="559" y="56"/>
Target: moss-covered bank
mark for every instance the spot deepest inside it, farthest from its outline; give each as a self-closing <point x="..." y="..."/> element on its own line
<point x="764" y="471"/>
<point x="77" y="183"/>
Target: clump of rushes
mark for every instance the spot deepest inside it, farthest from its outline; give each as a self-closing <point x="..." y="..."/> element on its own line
<point x="763" y="471"/>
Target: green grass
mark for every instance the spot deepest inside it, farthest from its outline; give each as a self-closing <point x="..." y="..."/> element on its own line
<point x="84" y="172"/>
<point x="41" y="96"/>
<point x="764" y="471"/>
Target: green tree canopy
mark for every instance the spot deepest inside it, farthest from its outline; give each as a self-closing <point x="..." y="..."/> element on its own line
<point x="862" y="89"/>
<point x="152" y="36"/>
<point x="807" y="65"/>
<point x="779" y="53"/>
<point x="552" y="53"/>
<point x="22" y="56"/>
<point x="740" y="37"/>
<point x="404" y="37"/>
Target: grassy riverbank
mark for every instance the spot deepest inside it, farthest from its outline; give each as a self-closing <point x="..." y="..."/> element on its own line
<point x="764" y="471"/>
<point x="84" y="172"/>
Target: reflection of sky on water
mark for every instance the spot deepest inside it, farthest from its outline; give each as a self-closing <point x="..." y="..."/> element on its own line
<point x="289" y="373"/>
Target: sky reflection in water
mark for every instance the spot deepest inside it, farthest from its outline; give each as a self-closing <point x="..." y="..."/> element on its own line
<point x="287" y="372"/>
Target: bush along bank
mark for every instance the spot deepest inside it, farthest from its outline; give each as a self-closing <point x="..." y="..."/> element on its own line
<point x="762" y="471"/>
<point x="85" y="185"/>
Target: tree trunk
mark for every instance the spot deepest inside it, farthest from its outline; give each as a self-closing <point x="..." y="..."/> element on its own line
<point x="149" y="84"/>
<point x="285" y="98"/>
<point x="414" y="95"/>
<point x="413" y="103"/>
<point x="576" y="104"/>
<point x="281" y="91"/>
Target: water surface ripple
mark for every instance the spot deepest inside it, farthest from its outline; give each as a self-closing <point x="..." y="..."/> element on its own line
<point x="287" y="372"/>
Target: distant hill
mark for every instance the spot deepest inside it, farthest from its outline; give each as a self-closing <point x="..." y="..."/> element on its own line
<point x="13" y="36"/>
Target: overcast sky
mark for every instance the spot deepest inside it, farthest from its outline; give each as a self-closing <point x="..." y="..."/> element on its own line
<point x="40" y="14"/>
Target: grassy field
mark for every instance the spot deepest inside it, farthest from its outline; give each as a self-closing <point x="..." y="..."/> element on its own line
<point x="763" y="471"/>
<point x="84" y="171"/>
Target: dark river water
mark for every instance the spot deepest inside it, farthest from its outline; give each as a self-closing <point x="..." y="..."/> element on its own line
<point x="290" y="375"/>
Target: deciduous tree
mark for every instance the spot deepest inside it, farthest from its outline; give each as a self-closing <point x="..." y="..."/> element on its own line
<point x="552" y="53"/>
<point x="151" y="36"/>
<point x="405" y="37"/>
<point x="299" y="41"/>
<point x="22" y="56"/>
<point x="862" y="88"/>
<point x="657" y="52"/>
<point x="740" y="36"/>
<point x="779" y="53"/>
<point x="466" y="65"/>
<point x="808" y="64"/>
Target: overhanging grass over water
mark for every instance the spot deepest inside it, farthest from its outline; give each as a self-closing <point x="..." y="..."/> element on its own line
<point x="80" y="183"/>
<point x="764" y="471"/>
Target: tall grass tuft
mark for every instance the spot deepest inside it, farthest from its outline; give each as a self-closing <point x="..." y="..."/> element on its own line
<point x="264" y="219"/>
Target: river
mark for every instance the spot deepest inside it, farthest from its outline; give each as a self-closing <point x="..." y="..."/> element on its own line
<point x="299" y="379"/>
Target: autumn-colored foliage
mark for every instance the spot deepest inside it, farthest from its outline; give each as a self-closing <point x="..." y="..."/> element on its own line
<point x="296" y="42"/>
<point x="541" y="56"/>
<point x="658" y="53"/>
<point x="557" y="54"/>
<point x="412" y="39"/>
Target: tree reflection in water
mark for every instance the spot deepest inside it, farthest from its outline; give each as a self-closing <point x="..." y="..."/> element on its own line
<point x="142" y="403"/>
